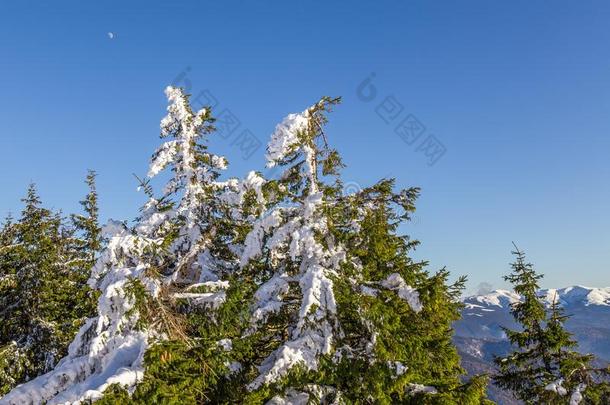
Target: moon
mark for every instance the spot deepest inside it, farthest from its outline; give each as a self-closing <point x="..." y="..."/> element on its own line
<point x="111" y="35"/>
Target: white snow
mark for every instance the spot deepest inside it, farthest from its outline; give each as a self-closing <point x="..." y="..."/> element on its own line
<point x="498" y="298"/>
<point x="395" y="282"/>
<point x="576" y="396"/>
<point x="398" y="368"/>
<point x="286" y="136"/>
<point x="226" y="344"/>
<point x="292" y="397"/>
<point x="214" y="300"/>
<point x="569" y="296"/>
<point x="107" y="349"/>
<point x="254" y="241"/>
<point x="366" y="290"/>
<point x="557" y="387"/>
<point x="292" y="236"/>
<point x="578" y="295"/>
<point x="165" y="155"/>
<point x="210" y="285"/>
<point x="110" y="347"/>
<point x="294" y="232"/>
<point x="269" y="297"/>
<point x="413" y="389"/>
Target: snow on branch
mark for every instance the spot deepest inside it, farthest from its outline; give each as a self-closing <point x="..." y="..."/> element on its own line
<point x="396" y="283"/>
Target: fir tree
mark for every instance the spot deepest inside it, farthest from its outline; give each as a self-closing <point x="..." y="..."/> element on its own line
<point x="199" y="219"/>
<point x="28" y="315"/>
<point x="13" y="361"/>
<point x="84" y="244"/>
<point x="87" y="224"/>
<point x="43" y="297"/>
<point x="545" y="368"/>
<point x="254" y="290"/>
<point x="336" y="317"/>
<point x="156" y="277"/>
<point x="396" y="344"/>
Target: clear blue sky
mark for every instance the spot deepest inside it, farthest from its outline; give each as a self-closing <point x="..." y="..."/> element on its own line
<point x="517" y="92"/>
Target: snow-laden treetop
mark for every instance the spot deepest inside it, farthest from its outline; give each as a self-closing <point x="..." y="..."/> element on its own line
<point x="289" y="239"/>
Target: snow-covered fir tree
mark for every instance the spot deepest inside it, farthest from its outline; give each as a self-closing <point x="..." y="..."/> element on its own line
<point x="337" y="320"/>
<point x="294" y="255"/>
<point x="211" y="303"/>
<point x="261" y="291"/>
<point x="175" y="242"/>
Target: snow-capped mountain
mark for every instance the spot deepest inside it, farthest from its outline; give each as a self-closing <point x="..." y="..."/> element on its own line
<point x="479" y="334"/>
<point x="575" y="295"/>
<point x="589" y="308"/>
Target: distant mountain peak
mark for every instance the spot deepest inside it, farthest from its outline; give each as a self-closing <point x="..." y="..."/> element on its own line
<point x="578" y="294"/>
<point x="479" y="335"/>
<point x="497" y="298"/>
<point x="569" y="296"/>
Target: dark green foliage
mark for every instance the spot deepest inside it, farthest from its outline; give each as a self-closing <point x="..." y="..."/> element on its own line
<point x="384" y="350"/>
<point x="375" y="329"/>
<point x="89" y="240"/>
<point x="197" y="369"/>
<point x="378" y="332"/>
<point x="44" y="265"/>
<point x="419" y="340"/>
<point x="544" y="351"/>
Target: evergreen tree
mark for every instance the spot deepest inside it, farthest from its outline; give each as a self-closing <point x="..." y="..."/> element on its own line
<point x="28" y="315"/>
<point x="43" y="292"/>
<point x="84" y="243"/>
<point x="43" y="297"/>
<point x="87" y="225"/>
<point x="13" y="362"/>
<point x="200" y="219"/>
<point x="254" y="290"/>
<point x="155" y="276"/>
<point x="396" y="345"/>
<point x="545" y="368"/>
<point x="334" y="318"/>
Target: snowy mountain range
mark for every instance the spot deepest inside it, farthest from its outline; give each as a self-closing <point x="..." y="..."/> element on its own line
<point x="479" y="335"/>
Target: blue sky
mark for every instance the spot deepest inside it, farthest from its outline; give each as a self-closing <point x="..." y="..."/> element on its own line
<point x="516" y="93"/>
